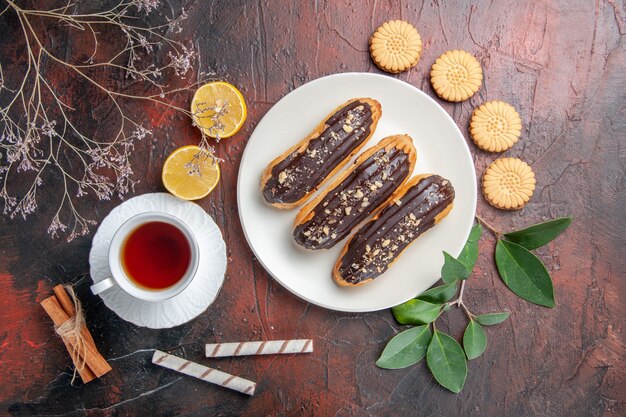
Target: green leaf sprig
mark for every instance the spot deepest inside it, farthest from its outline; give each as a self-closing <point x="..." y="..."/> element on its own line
<point x="521" y="271"/>
<point x="519" y="268"/>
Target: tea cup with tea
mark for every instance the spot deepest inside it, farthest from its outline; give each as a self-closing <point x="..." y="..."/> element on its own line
<point x="153" y="256"/>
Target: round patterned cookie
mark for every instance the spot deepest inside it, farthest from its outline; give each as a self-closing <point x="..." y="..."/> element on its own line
<point x="508" y="183"/>
<point x="495" y="126"/>
<point x="395" y="46"/>
<point x="456" y="75"/>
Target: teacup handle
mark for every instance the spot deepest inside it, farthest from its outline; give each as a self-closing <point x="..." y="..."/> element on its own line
<point x="102" y="286"/>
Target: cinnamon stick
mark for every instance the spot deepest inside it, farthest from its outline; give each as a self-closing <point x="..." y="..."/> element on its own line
<point x="85" y="373"/>
<point x="68" y="306"/>
<point x="93" y="359"/>
<point x="83" y="370"/>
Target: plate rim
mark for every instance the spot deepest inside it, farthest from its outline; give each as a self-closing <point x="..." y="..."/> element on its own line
<point x="310" y="83"/>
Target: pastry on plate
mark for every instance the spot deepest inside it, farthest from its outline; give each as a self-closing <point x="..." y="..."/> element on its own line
<point x="420" y="204"/>
<point x="296" y="174"/>
<point x="356" y="193"/>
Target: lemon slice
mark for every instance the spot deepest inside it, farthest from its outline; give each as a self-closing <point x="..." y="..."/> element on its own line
<point x="213" y="98"/>
<point x="182" y="180"/>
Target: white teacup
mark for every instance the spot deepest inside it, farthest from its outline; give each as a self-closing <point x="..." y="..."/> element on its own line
<point x="118" y="274"/>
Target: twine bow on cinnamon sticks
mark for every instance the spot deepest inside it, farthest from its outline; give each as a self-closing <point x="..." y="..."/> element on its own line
<point x="69" y="322"/>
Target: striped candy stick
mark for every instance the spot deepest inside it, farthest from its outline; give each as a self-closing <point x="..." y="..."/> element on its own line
<point x="204" y="373"/>
<point x="270" y="347"/>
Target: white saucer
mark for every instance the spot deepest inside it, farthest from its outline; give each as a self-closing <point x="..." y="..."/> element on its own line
<point x="194" y="299"/>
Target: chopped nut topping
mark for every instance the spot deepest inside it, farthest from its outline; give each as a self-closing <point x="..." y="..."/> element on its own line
<point x="348" y="210"/>
<point x="384" y="176"/>
<point x="412" y="216"/>
<point x="367" y="248"/>
<point x="347" y="128"/>
<point x="373" y="187"/>
<point x="378" y="184"/>
<point x="333" y="236"/>
<point x="282" y="177"/>
<point x="358" y="194"/>
<point x="307" y="233"/>
<point x="376" y="252"/>
<point x="386" y="243"/>
<point x="398" y="202"/>
<point x="326" y="230"/>
<point x="401" y="238"/>
<point x="327" y="211"/>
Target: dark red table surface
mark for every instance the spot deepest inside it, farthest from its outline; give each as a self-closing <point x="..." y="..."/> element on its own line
<point x="562" y="64"/>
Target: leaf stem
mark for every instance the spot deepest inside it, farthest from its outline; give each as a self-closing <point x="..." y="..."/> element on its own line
<point x="466" y="310"/>
<point x="458" y="302"/>
<point x="488" y="226"/>
<point x="459" y="299"/>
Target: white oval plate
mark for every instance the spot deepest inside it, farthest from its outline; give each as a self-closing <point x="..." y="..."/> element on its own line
<point x="199" y="294"/>
<point x="441" y="149"/>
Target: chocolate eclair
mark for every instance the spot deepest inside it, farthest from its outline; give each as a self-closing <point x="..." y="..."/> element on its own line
<point x="293" y="176"/>
<point x="421" y="203"/>
<point x="356" y="193"/>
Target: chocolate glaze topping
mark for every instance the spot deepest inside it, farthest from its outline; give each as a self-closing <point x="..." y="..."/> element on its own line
<point x="375" y="246"/>
<point x="356" y="197"/>
<point x="300" y="172"/>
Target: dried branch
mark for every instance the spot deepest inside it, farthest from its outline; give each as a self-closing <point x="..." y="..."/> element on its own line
<point x="41" y="139"/>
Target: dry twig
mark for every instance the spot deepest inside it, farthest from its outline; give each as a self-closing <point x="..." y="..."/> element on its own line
<point x="42" y="137"/>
